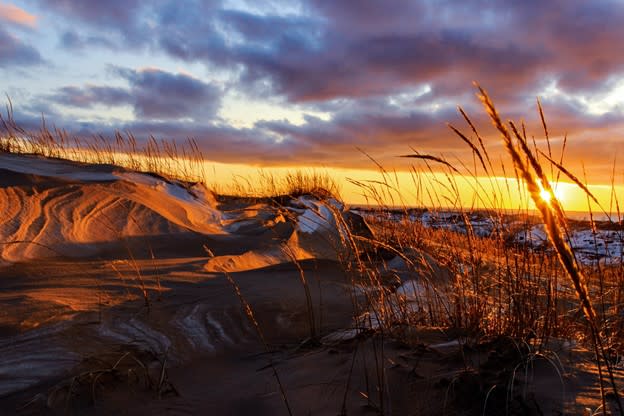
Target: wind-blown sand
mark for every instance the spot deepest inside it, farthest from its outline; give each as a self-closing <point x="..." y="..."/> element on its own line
<point x="114" y="298"/>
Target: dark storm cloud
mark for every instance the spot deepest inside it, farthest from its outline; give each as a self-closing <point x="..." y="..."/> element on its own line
<point x="363" y="48"/>
<point x="266" y="31"/>
<point x="203" y="43"/>
<point x="372" y="49"/>
<point x="222" y="143"/>
<point x="120" y="13"/>
<point x="14" y="52"/>
<point x="121" y="24"/>
<point x="386" y="64"/>
<point x="371" y="15"/>
<point x="579" y="37"/>
<point x="364" y="129"/>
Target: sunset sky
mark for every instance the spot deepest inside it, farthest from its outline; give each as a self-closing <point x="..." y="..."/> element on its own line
<point x="308" y="82"/>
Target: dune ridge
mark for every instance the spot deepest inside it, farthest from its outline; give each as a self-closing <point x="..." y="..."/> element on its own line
<point x="57" y="208"/>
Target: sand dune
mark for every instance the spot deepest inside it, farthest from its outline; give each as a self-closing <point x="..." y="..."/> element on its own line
<point x="62" y="209"/>
<point x="88" y="297"/>
<point x="318" y="230"/>
<point x="57" y="208"/>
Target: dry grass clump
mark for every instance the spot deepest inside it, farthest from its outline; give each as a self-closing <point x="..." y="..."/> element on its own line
<point x="318" y="184"/>
<point x="138" y="371"/>
<point x="299" y="182"/>
<point x="526" y="163"/>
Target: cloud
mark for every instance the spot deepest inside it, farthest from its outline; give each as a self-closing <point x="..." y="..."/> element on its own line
<point x="13" y="14"/>
<point x="90" y="95"/>
<point x="120" y="13"/>
<point x="376" y="126"/>
<point x="162" y="95"/>
<point x="73" y="40"/>
<point x="341" y="49"/>
<point x="152" y="93"/>
<point x="217" y="142"/>
<point x="114" y="24"/>
<point x="386" y="131"/>
<point x="14" y="52"/>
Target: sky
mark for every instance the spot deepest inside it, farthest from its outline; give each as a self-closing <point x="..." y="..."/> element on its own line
<point x="323" y="83"/>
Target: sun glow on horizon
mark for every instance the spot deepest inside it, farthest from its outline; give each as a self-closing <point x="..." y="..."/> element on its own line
<point x="403" y="189"/>
<point x="557" y="193"/>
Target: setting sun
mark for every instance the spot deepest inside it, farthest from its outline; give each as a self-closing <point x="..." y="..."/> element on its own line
<point x="545" y="195"/>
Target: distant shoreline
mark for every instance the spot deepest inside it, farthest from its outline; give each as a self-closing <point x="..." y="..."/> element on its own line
<point x="572" y="215"/>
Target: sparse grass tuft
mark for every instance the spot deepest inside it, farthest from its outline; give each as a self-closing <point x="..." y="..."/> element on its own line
<point x="292" y="184"/>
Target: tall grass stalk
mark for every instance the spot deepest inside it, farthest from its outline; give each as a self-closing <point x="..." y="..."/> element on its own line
<point x="554" y="221"/>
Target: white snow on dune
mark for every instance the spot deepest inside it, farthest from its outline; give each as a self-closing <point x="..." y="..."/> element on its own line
<point x="317" y="214"/>
<point x="55" y="168"/>
<point x="26" y="358"/>
<point x="535" y="236"/>
<point x="605" y="246"/>
<point x="319" y="233"/>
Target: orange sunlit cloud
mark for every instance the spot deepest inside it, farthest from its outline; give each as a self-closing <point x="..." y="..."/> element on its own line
<point x="13" y="14"/>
